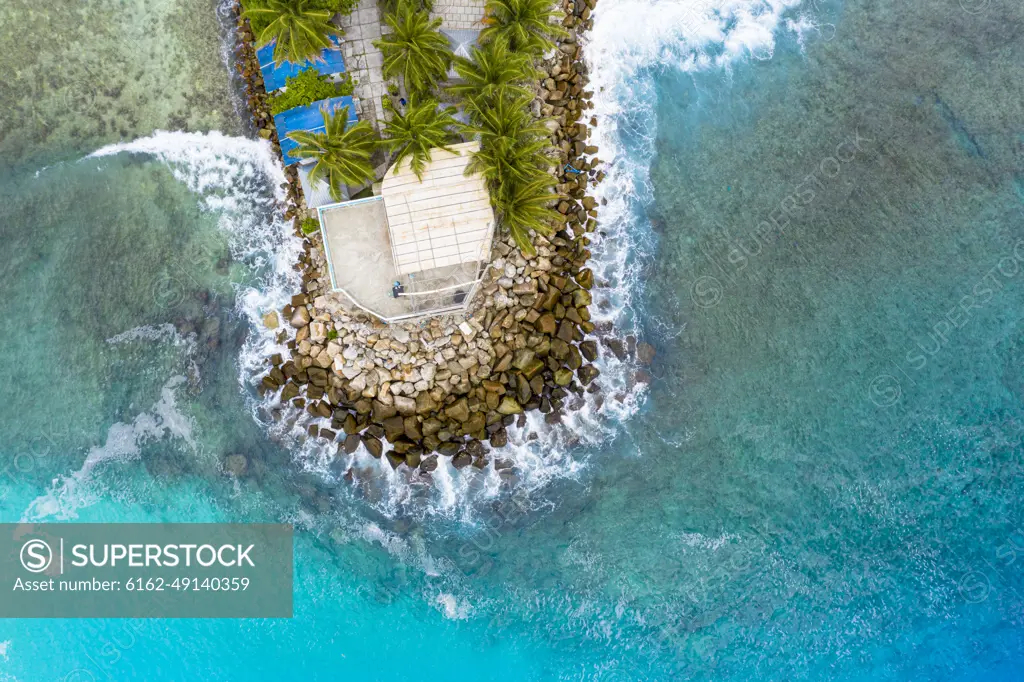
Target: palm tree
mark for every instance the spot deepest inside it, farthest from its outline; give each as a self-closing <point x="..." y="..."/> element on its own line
<point x="424" y="126"/>
<point x="494" y="72"/>
<point x="415" y="49"/>
<point x="302" y="32"/>
<point x="513" y="145"/>
<point x="523" y="206"/>
<point x="342" y="155"/>
<point x="522" y="25"/>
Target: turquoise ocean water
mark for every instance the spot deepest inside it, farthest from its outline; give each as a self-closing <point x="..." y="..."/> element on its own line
<point x="813" y="212"/>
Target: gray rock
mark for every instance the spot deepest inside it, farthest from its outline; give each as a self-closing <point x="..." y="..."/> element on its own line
<point x="300" y="318"/>
<point x="406" y="406"/>
<point x="373" y="445"/>
<point x="645" y="353"/>
<point x="236" y="465"/>
<point x="351" y="443"/>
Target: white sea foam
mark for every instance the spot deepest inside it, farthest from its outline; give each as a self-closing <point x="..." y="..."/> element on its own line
<point x="628" y="37"/>
<point x="165" y="333"/>
<point x="700" y="541"/>
<point x="5" y="646"/>
<point x="239" y="179"/>
<point x="631" y="41"/>
<point x="452" y="607"/>
<point x="124" y="442"/>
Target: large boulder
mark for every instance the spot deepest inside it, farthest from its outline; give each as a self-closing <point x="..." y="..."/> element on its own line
<point x="585" y="278"/>
<point x="300" y="318"/>
<point x="566" y="331"/>
<point x="382" y="411"/>
<point x="317" y="331"/>
<point x="587" y="373"/>
<point x="373" y="445"/>
<point x="351" y="443"/>
<point x="406" y="406"/>
<point x="645" y="353"/>
<point x="476" y="422"/>
<point x="523" y="358"/>
<point x="459" y="410"/>
<point x="394" y="428"/>
<point x="499" y="438"/>
<point x="449" y="449"/>
<point x="547" y="324"/>
<point x="509" y="406"/>
<point x="589" y="350"/>
<point x="236" y="465"/>
<point x="425" y="403"/>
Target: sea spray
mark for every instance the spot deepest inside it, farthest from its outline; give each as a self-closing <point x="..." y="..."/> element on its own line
<point x="240" y="180"/>
<point x="124" y="442"/>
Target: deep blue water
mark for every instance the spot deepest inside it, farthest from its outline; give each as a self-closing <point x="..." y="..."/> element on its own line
<point x="823" y="237"/>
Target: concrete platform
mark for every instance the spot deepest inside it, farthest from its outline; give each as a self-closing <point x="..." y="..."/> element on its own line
<point x="359" y="253"/>
<point x="362" y="267"/>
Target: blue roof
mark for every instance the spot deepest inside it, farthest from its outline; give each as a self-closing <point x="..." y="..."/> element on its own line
<point x="330" y="62"/>
<point x="309" y="118"/>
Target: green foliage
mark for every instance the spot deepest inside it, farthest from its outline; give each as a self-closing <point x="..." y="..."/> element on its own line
<point x="307" y="87"/>
<point x="258" y="23"/>
<point x="523" y="205"/>
<point x="309" y="226"/>
<point x="513" y="146"/>
<point x="392" y="6"/>
<point x="425" y="125"/>
<point x="332" y="335"/>
<point x="342" y="154"/>
<point x="522" y="25"/>
<point x="415" y="49"/>
<point x="336" y="6"/>
<point x="302" y="31"/>
<point x="514" y="157"/>
<point x="494" y="72"/>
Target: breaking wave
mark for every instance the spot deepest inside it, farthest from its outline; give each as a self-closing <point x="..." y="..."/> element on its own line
<point x="240" y="180"/>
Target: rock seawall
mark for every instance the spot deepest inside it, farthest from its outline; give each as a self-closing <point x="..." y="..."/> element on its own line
<point x="443" y="387"/>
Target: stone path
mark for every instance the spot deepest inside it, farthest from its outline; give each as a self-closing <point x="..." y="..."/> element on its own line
<point x="363" y="60"/>
<point x="460" y="14"/>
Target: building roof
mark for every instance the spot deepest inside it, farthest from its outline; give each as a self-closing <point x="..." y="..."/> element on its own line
<point x="316" y="193"/>
<point x="309" y="118"/>
<point x="461" y="41"/>
<point x="329" y="62"/>
<point x="443" y="220"/>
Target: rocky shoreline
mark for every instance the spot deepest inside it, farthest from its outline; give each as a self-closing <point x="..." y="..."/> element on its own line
<point x="412" y="392"/>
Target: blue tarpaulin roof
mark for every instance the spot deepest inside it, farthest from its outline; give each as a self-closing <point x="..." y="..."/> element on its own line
<point x="330" y="62"/>
<point x="309" y="118"/>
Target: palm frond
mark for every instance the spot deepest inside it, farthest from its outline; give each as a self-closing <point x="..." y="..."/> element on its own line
<point x="493" y="72"/>
<point x="522" y="25"/>
<point x="415" y="49"/>
<point x="342" y="154"/>
<point x="302" y="32"/>
<point x="424" y="126"/>
<point x="524" y="206"/>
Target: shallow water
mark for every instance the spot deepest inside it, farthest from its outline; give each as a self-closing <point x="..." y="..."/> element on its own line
<point x="814" y="214"/>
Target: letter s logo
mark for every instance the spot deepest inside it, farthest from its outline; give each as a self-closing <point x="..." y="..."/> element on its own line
<point x="36" y="556"/>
